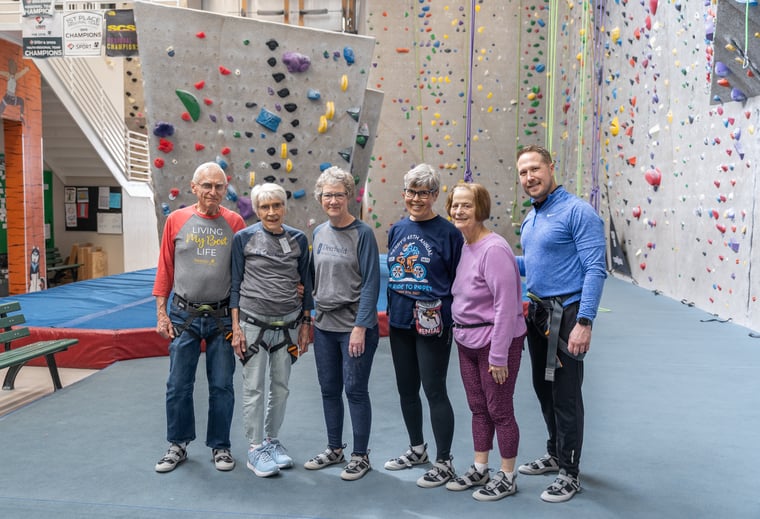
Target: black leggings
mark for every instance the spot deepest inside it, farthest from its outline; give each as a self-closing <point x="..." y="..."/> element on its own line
<point x="424" y="361"/>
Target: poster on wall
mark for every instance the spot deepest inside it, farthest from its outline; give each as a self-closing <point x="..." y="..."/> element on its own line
<point x="83" y="34"/>
<point x="121" y="33"/>
<point x="34" y="8"/>
<point x="42" y="36"/>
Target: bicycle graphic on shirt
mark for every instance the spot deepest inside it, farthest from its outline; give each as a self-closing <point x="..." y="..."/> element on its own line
<point x="406" y="263"/>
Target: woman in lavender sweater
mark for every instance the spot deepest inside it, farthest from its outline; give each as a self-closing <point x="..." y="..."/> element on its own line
<point x="489" y="329"/>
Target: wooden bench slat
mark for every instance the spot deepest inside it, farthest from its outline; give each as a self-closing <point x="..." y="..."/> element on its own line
<point x="32" y="351"/>
<point x="11" y="335"/>
<point x="12" y="320"/>
<point x="10" y="306"/>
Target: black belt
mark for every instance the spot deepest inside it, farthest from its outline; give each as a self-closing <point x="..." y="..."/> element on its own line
<point x="202" y="305"/>
<point x="476" y="325"/>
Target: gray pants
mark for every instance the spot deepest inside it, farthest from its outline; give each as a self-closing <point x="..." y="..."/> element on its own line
<point x="264" y="413"/>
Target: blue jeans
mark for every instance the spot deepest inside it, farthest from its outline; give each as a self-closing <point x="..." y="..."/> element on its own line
<point x="184" y="352"/>
<point x="336" y="371"/>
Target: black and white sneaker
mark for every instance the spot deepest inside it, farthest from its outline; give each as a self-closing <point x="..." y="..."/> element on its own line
<point x="441" y="472"/>
<point x="407" y="460"/>
<point x="500" y="486"/>
<point x="544" y="464"/>
<point x="563" y="489"/>
<point x="471" y="478"/>
<point x="356" y="468"/>
<point x="173" y="457"/>
<point x="325" y="459"/>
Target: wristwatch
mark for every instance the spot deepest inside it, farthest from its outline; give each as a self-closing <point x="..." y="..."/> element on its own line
<point x="584" y="321"/>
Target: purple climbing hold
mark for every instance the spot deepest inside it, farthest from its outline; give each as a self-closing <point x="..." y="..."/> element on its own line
<point x="296" y="62"/>
<point x="721" y="69"/>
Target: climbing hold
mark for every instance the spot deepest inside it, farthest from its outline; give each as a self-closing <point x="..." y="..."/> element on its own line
<point x="199" y="85"/>
<point x="275" y="165"/>
<point x="191" y="103"/>
<point x="186" y="116"/>
<point x="288" y="136"/>
<point x="200" y="35"/>
<point x="614" y="126"/>
<point x="636" y="211"/>
<point x="278" y="76"/>
<point x="324" y="166"/>
<point x="251" y="104"/>
<point x="313" y="94"/>
<point x="737" y="95"/>
<point x="354" y="113"/>
<point x="224" y="70"/>
<point x="272" y="62"/>
<point x="163" y="129"/>
<point x="653" y="6"/>
<point x="165" y="145"/>
<point x="272" y="44"/>
<point x="270" y="178"/>
<point x="252" y="178"/>
<point x="199" y="146"/>
<point x="170" y="51"/>
<point x="288" y="165"/>
<point x="296" y="62"/>
<point x="271" y="151"/>
<point x="721" y="69"/>
<point x="221" y="163"/>
<point x="322" y="128"/>
<point x="268" y="120"/>
<point x="283" y="92"/>
<point x="344" y="82"/>
<point x="345" y="153"/>
<point x="232" y="195"/>
<point x="348" y="55"/>
<point x="159" y="163"/>
<point x="290" y="107"/>
<point x="653" y="177"/>
<point x="329" y="110"/>
<point x="226" y="150"/>
<point x="283" y="151"/>
<point x="173" y="193"/>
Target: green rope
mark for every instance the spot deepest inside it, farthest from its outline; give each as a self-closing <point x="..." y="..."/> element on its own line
<point x="551" y="72"/>
<point x="515" y="216"/>
<point x="581" y="111"/>
<point x="417" y="84"/>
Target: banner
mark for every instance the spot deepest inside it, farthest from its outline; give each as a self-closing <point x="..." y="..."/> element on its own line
<point x="83" y="34"/>
<point x="121" y="33"/>
<point x="42" y="36"/>
<point x="38" y="8"/>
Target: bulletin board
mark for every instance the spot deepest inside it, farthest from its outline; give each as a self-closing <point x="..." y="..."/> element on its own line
<point x="93" y="208"/>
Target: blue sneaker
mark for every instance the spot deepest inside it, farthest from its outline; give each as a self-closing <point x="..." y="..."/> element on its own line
<point x="279" y="453"/>
<point x="261" y="463"/>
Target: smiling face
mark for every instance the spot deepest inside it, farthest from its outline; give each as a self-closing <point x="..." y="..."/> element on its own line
<point x="463" y="211"/>
<point x="271" y="212"/>
<point x="536" y="175"/>
<point x="419" y="200"/>
<point x="334" y="199"/>
<point x="209" y="186"/>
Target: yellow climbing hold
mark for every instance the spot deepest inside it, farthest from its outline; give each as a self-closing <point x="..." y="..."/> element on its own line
<point x="322" y="128"/>
<point x="615" y="34"/>
<point x="344" y="82"/>
<point x="284" y="150"/>
<point x="329" y="110"/>
<point x="289" y="165"/>
<point x="615" y="127"/>
<point x="252" y="178"/>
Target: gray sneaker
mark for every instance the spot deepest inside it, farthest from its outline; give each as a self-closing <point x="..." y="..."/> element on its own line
<point x="173" y="457"/>
<point x="325" y="459"/>
<point x="438" y="475"/>
<point x="279" y="453"/>
<point x="542" y="465"/>
<point x="471" y="478"/>
<point x="407" y="460"/>
<point x="223" y="459"/>
<point x="356" y="468"/>
<point x="500" y="486"/>
<point x="563" y="489"/>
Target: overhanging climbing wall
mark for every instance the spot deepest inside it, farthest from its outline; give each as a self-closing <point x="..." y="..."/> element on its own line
<point x="268" y="102"/>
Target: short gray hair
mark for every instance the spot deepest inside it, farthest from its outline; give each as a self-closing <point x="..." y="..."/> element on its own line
<point x="268" y="191"/>
<point x="423" y="175"/>
<point x="211" y="167"/>
<point x="334" y="175"/>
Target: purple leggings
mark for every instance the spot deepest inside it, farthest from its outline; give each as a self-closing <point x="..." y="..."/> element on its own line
<point x="491" y="403"/>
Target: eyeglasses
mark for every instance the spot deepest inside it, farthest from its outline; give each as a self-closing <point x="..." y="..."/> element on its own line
<point x="208" y="186"/>
<point x="338" y="197"/>
<point x="422" y="195"/>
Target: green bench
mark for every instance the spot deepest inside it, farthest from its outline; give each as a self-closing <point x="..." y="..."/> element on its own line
<point x="57" y="268"/>
<point x="16" y="358"/>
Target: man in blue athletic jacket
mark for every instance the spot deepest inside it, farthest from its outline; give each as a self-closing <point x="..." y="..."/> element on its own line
<point x="563" y="261"/>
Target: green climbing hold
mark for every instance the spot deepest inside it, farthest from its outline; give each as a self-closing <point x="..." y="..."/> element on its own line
<point x="191" y="103"/>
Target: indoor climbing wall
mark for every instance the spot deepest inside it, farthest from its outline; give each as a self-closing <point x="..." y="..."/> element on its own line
<point x="465" y="83"/>
<point x="679" y="164"/>
<point x="268" y="102"/>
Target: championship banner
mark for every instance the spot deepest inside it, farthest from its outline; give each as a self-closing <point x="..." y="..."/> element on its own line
<point x="83" y="34"/>
<point x="37" y="8"/>
<point x="42" y="36"/>
<point x="121" y="33"/>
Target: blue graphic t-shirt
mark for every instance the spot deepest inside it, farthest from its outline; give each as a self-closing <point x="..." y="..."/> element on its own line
<point x="422" y="263"/>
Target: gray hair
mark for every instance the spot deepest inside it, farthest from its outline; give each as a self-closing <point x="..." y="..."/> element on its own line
<point x="334" y="175"/>
<point x="211" y="167"/>
<point x="423" y="175"/>
<point x="268" y="191"/>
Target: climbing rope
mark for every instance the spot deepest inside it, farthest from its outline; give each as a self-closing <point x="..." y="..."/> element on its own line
<point x="418" y="68"/>
<point x="468" y="114"/>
